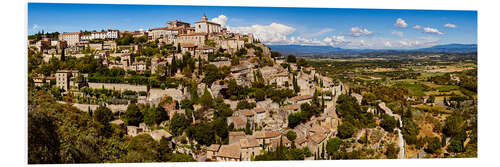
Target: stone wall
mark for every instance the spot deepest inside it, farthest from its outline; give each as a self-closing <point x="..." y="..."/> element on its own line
<point x="119" y="87"/>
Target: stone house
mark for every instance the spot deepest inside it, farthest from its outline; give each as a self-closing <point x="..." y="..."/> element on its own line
<point x="300" y="99"/>
<point x="301" y="142"/>
<point x="65" y="79"/>
<point x="159" y="134"/>
<point x="245" y="113"/>
<point x="139" y="66"/>
<point x="266" y="136"/>
<point x="229" y="153"/>
<point x="134" y="131"/>
<point x="276" y="142"/>
<point x="212" y="151"/>
<point x="235" y="137"/>
<point x="293" y="108"/>
<point x="249" y="148"/>
<point x="280" y="79"/>
<point x="238" y="122"/>
<point x="316" y="142"/>
<point x="260" y="115"/>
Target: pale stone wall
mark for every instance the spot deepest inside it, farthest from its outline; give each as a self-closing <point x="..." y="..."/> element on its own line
<point x="85" y="107"/>
<point x="155" y="95"/>
<point x="119" y="87"/>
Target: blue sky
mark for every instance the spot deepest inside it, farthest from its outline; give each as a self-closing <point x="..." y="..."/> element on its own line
<point x="346" y="28"/>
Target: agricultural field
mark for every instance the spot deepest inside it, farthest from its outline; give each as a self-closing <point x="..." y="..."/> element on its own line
<point x="432" y="92"/>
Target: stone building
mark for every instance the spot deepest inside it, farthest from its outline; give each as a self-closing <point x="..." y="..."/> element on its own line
<point x="300" y="99"/>
<point x="72" y="38"/>
<point x="205" y="26"/>
<point x="66" y="78"/>
<point x="249" y="148"/>
<point x="234" y="137"/>
<point x="163" y="34"/>
<point x="229" y="153"/>
<point x="266" y="136"/>
<point x="197" y="39"/>
<point x="212" y="151"/>
<point x="159" y="134"/>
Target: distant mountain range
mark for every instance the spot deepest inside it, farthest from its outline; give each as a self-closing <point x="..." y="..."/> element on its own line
<point x="306" y="50"/>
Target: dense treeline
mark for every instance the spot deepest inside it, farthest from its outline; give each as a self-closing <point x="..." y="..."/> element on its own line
<point x="52" y="137"/>
<point x="352" y="116"/>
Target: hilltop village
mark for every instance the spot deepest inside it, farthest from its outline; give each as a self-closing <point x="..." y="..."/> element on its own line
<point x="195" y="92"/>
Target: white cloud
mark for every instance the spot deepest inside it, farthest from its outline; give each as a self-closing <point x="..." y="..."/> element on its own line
<point x="303" y="41"/>
<point x="35" y="26"/>
<point x="321" y="32"/>
<point x="432" y="31"/>
<point x="417" y="27"/>
<point x="400" y="23"/>
<point x="387" y="44"/>
<point x="274" y="33"/>
<point x="357" y="31"/>
<point x="449" y="25"/>
<point x="390" y="43"/>
<point x="398" y="33"/>
<point x="335" y="41"/>
<point x="221" y="19"/>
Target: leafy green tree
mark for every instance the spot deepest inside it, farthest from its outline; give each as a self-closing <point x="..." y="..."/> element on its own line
<point x="177" y="157"/>
<point x="43" y="141"/>
<point x="275" y="54"/>
<point x="431" y="99"/>
<point x="155" y="115"/>
<point x="142" y="148"/>
<point x="206" y="100"/>
<point x="332" y="146"/>
<point x="141" y="39"/>
<point x="346" y="130"/>
<point x="244" y="104"/>
<point x="453" y="124"/>
<point x="260" y="94"/>
<point x="221" y="109"/>
<point x="178" y="123"/>
<point x="433" y="146"/>
<point x="212" y="74"/>
<point x="392" y="151"/>
<point x="302" y="62"/>
<point x="410" y="131"/>
<point x="103" y="114"/>
<point x="133" y="116"/>
<point x="296" y="87"/>
<point x="235" y="61"/>
<point x="369" y="98"/>
<point x="291" y="135"/>
<point x="388" y="123"/>
<point x="291" y="59"/>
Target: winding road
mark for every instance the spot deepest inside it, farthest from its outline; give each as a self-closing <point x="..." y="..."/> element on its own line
<point x="401" y="140"/>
